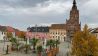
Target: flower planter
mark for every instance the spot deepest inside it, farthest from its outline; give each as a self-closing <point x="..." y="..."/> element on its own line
<point x="49" y="53"/>
<point x="57" y="50"/>
<point x="39" y="53"/>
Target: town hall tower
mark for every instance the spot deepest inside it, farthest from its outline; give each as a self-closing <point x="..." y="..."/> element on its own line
<point x="73" y="25"/>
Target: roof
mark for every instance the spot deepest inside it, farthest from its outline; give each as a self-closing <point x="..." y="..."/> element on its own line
<point x="39" y="29"/>
<point x="2" y="28"/>
<point x="58" y="26"/>
<point x="10" y="29"/>
<point x="95" y="30"/>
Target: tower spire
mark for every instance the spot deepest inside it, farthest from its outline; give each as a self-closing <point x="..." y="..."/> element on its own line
<point x="74" y="5"/>
<point x="74" y="1"/>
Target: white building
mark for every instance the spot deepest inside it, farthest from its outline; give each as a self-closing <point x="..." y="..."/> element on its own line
<point x="2" y="35"/>
<point x="58" y="32"/>
<point x="95" y="32"/>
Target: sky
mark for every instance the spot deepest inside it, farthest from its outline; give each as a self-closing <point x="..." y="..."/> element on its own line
<point x="21" y="14"/>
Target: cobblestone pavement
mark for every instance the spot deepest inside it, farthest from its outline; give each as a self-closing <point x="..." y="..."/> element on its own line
<point x="18" y="54"/>
<point x="2" y="52"/>
<point x="63" y="48"/>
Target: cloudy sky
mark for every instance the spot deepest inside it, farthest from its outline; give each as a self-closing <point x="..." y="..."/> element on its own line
<point x="23" y="13"/>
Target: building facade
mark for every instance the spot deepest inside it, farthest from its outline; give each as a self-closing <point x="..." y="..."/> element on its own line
<point x="2" y="35"/>
<point x="95" y="32"/>
<point x="40" y="32"/>
<point x="61" y="32"/>
<point x="4" y="30"/>
<point x="58" y="32"/>
<point x="73" y="25"/>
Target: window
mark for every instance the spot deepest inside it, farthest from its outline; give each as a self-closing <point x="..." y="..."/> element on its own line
<point x="61" y="33"/>
<point x="53" y="32"/>
<point x="53" y="36"/>
<point x="56" y="33"/>
<point x="38" y="29"/>
<point x="2" y="32"/>
<point x="42" y="29"/>
<point x="58" y="37"/>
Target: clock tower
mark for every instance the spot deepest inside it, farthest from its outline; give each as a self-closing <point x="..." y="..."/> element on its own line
<point x="73" y="25"/>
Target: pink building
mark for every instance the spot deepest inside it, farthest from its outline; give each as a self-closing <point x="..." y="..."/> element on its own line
<point x="39" y="35"/>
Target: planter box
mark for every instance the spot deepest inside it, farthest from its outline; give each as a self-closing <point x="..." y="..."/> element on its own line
<point x="49" y="53"/>
<point x="53" y="52"/>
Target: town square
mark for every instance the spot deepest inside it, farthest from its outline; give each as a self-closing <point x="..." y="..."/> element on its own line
<point x="48" y="28"/>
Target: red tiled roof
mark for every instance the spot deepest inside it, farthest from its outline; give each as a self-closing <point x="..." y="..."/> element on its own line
<point x="10" y="29"/>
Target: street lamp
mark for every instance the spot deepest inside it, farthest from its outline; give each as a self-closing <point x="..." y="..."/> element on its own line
<point x="4" y="44"/>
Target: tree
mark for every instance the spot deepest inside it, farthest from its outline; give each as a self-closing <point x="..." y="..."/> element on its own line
<point x="26" y="48"/>
<point x="84" y="43"/>
<point x="34" y="42"/>
<point x="9" y="35"/>
<point x="57" y="42"/>
<point x="14" y="42"/>
<point x="39" y="49"/>
<point x="21" y="34"/>
<point x="51" y="43"/>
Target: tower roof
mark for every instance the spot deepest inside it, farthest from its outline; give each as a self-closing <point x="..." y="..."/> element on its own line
<point x="74" y="5"/>
<point x="74" y="1"/>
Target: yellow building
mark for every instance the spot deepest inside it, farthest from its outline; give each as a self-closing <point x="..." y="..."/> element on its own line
<point x="58" y="32"/>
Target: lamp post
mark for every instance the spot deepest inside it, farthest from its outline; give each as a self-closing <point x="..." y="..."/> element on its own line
<point x="35" y="31"/>
<point x="4" y="44"/>
<point x="7" y="49"/>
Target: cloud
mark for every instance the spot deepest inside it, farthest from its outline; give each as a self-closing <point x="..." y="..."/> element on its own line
<point x="21" y="3"/>
<point x="89" y="13"/>
<point x="22" y="13"/>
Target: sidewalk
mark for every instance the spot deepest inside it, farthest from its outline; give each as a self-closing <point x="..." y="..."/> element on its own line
<point x="63" y="49"/>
